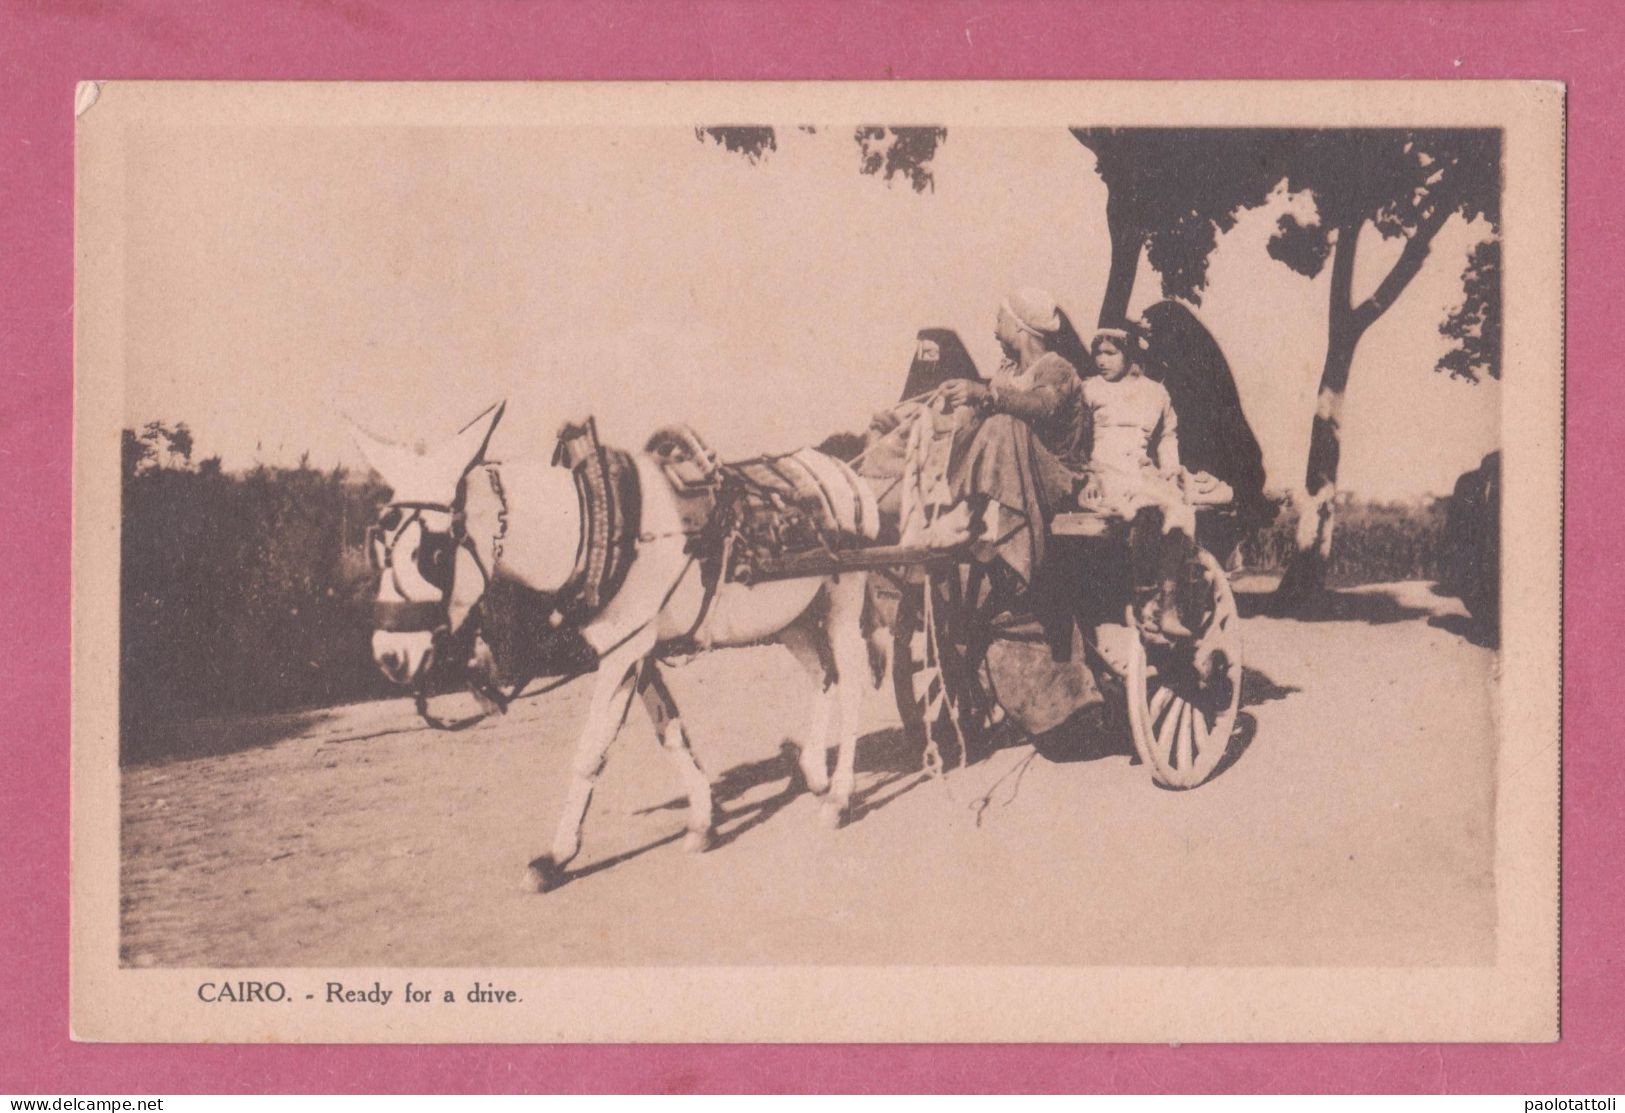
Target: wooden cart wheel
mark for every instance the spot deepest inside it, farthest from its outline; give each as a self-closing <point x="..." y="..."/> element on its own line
<point x="1184" y="699"/>
<point x="936" y="659"/>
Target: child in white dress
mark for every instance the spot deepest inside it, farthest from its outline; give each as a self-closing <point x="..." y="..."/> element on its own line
<point x="1133" y="470"/>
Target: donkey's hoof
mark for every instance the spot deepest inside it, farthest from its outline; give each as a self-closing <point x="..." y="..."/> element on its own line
<point x="832" y="815"/>
<point x="544" y="875"/>
<point x="697" y="842"/>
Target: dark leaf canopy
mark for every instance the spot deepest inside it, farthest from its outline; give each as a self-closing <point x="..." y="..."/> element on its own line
<point x="1303" y="247"/>
<point x="1475" y="325"/>
<point x="1406" y="184"/>
<point x="752" y="142"/>
<point x="1401" y="182"/>
<point x="900" y="152"/>
<point x="885" y="152"/>
<point x="1181" y="188"/>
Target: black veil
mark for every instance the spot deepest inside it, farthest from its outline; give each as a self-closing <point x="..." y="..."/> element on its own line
<point x="1214" y="434"/>
<point x="939" y="355"/>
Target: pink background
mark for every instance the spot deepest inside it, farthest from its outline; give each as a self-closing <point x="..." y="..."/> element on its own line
<point x="46" y="48"/>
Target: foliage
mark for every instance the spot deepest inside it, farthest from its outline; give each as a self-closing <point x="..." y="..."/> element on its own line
<point x="1377" y="542"/>
<point x="1174" y="191"/>
<point x="884" y="152"/>
<point x="1475" y="325"/>
<point x="900" y="152"/>
<point x="242" y="593"/>
<point x="158" y="445"/>
<point x="752" y="142"/>
<point x="1405" y="185"/>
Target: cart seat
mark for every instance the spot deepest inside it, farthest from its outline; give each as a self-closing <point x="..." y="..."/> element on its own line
<point x="1086" y="523"/>
<point x="1079" y="523"/>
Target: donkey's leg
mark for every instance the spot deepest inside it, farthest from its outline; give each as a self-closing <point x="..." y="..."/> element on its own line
<point x="611" y="699"/>
<point x="802" y="641"/>
<point x="674" y="740"/>
<point x="844" y="628"/>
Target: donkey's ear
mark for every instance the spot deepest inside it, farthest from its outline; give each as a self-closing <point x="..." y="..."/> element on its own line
<point x="467" y="448"/>
<point x="389" y="460"/>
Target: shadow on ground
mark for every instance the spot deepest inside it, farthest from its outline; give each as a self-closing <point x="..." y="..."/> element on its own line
<point x="1375" y="607"/>
<point x="1257" y="688"/>
<point x="1469" y="629"/>
<point x="885" y="752"/>
<point x="144" y="743"/>
<point x="899" y="763"/>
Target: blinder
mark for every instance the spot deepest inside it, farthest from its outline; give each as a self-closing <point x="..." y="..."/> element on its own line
<point x="407" y="617"/>
<point x="436" y="562"/>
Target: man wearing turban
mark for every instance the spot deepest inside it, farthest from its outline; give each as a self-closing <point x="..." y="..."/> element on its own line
<point x="1023" y="455"/>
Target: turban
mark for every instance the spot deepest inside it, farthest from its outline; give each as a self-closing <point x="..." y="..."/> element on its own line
<point x="1034" y="311"/>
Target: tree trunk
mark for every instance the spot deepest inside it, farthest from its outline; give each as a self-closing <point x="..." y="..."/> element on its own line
<point x="1346" y="323"/>
<point x="1306" y="572"/>
<point x="1127" y="240"/>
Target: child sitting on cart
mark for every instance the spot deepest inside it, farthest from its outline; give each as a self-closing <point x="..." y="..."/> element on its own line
<point x="1133" y="473"/>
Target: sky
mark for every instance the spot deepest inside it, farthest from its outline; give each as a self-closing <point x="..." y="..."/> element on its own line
<point x="280" y="278"/>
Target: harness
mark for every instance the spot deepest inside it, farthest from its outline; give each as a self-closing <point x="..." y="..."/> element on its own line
<point x="745" y="517"/>
<point x="740" y="521"/>
<point x="609" y="500"/>
<point x="611" y="505"/>
<point x="436" y="561"/>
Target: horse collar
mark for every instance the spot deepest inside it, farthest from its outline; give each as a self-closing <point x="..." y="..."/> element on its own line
<point x="609" y="499"/>
<point x="501" y="534"/>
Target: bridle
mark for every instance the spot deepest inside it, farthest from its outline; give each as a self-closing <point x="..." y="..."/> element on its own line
<point x="436" y="563"/>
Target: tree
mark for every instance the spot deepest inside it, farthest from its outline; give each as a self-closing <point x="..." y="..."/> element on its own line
<point x="1171" y="192"/>
<point x="900" y="152"/>
<point x="884" y="152"/>
<point x="158" y="445"/>
<point x="1403" y="185"/>
<point x="136" y="454"/>
<point x="1475" y="325"/>
<point x="752" y="142"/>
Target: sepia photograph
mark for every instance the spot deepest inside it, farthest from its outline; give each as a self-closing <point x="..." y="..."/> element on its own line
<point x="1063" y="561"/>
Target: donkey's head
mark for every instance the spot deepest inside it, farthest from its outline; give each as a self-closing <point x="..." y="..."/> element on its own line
<point x="430" y="573"/>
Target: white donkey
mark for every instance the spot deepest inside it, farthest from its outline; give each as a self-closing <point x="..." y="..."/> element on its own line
<point x="456" y="522"/>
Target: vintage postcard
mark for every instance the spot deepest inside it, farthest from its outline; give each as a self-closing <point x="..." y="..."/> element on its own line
<point x="817" y="562"/>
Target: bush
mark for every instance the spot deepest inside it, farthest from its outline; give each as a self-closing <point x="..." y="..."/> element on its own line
<point x="1372" y="542"/>
<point x="244" y="593"/>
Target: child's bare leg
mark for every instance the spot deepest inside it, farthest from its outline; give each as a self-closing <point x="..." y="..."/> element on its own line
<point x="1161" y="545"/>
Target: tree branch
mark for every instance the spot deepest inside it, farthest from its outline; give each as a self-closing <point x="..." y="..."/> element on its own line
<point x="1410" y="261"/>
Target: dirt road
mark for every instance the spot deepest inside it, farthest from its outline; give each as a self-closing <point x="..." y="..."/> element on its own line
<point x="1354" y="829"/>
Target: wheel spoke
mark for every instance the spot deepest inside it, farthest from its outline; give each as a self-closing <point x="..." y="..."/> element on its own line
<point x="1201" y="733"/>
<point x="1182" y="717"/>
<point x="1159" y="703"/>
<point x="1168" y="731"/>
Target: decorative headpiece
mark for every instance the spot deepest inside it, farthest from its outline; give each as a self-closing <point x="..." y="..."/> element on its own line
<point x="1131" y="339"/>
